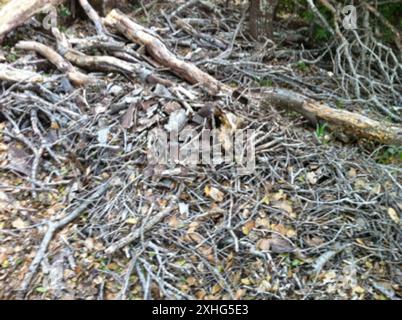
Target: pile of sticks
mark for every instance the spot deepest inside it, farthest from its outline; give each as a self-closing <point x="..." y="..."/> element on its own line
<point x="67" y="60"/>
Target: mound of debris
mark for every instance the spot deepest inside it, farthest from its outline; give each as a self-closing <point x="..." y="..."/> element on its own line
<point x="88" y="212"/>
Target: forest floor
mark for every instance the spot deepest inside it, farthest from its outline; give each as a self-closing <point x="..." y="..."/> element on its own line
<point x="319" y="218"/>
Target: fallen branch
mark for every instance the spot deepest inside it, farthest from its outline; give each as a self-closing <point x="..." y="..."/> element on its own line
<point x="78" y="78"/>
<point x="17" y="12"/>
<point x="157" y="49"/>
<point x="184" y="6"/>
<point x="53" y="227"/>
<point x="8" y="73"/>
<point x="348" y="122"/>
<point x="197" y="35"/>
<point x="136" y="234"/>
<point x="104" y="63"/>
<point x="94" y="16"/>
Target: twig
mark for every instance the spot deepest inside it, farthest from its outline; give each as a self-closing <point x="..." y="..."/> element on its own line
<point x="53" y="227"/>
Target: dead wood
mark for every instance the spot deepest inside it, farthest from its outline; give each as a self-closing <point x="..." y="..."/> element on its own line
<point x="157" y="49"/>
<point x="351" y="123"/>
<point x="94" y="16"/>
<point x="105" y="63"/>
<point x="137" y="233"/>
<point x="17" y="12"/>
<point x="52" y="227"/>
<point x="78" y="78"/>
<point x="348" y="122"/>
<point x="8" y="73"/>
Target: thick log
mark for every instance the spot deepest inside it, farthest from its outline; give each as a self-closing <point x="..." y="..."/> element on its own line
<point x="157" y="49"/>
<point x="76" y="77"/>
<point x="16" y="12"/>
<point x="347" y="122"/>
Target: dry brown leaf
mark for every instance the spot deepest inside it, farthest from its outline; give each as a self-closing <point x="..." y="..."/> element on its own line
<point x="191" y="281"/>
<point x="277" y="196"/>
<point x="127" y="119"/>
<point x="239" y="294"/>
<point x="18" y="223"/>
<point x="283" y="205"/>
<point x="352" y="173"/>
<point x="214" y="193"/>
<point x="173" y="222"/>
<point x="216" y="289"/>
<point x="263" y="244"/>
<point x="195" y="237"/>
<point x="248" y="227"/>
<point x="280" y="245"/>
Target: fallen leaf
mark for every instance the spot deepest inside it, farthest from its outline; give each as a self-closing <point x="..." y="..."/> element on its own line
<point x="183" y="208"/>
<point x="280" y="245"/>
<point x="214" y="193"/>
<point x="394" y="215"/>
<point x="239" y="294"/>
<point x="18" y="224"/>
<point x="263" y="244"/>
<point x="216" y="289"/>
<point x="266" y="200"/>
<point x="132" y="221"/>
<point x="277" y="196"/>
<point x="352" y="173"/>
<point x="358" y="289"/>
<point x="127" y="119"/>
<point x="312" y="178"/>
<point x="248" y="227"/>
<point x="173" y="222"/>
<point x="283" y="205"/>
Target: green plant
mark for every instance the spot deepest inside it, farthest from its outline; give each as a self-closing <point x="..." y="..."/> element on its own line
<point x="264" y="82"/>
<point x="320" y="131"/>
<point x="11" y="57"/>
<point x="391" y="154"/>
<point x="301" y="65"/>
<point x="321" y="34"/>
<point x="64" y="11"/>
<point x="339" y="104"/>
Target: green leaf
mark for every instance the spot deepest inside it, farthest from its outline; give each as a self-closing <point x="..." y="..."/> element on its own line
<point x="41" y="290"/>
